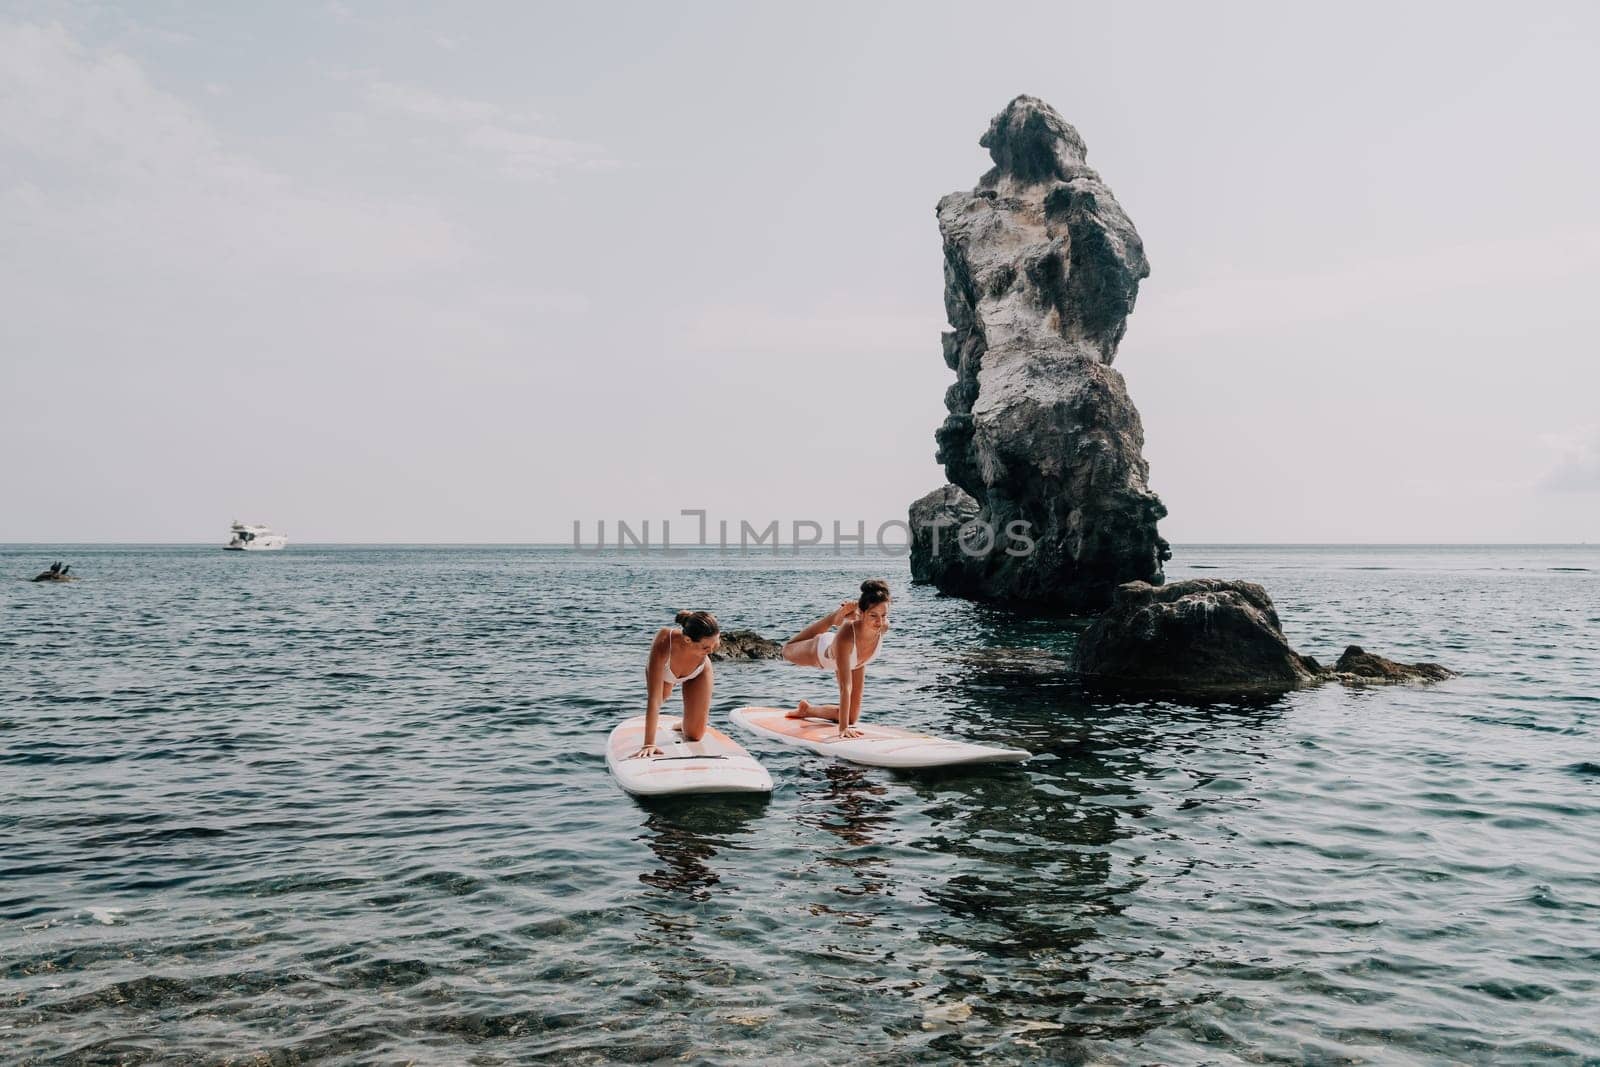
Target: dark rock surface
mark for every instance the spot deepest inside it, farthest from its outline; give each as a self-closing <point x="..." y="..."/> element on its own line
<point x="1357" y="666"/>
<point x="1204" y="636"/>
<point x="1211" y="637"/>
<point x="1042" y="267"/>
<point x="935" y="520"/>
<point x="746" y="645"/>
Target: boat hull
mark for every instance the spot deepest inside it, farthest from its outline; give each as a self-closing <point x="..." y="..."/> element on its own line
<point x="260" y="544"/>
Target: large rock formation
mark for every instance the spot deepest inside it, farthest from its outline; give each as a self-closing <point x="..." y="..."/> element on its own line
<point x="1210" y="637"/>
<point x="1042" y="444"/>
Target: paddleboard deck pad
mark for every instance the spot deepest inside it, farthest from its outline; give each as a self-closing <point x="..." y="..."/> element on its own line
<point x="880" y="746"/>
<point x="714" y="764"/>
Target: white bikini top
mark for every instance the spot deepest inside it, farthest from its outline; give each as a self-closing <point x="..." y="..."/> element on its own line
<point x="667" y="667"/>
<point x="825" y="651"/>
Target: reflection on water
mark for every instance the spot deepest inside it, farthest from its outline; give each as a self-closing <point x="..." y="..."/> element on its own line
<point x="1049" y="861"/>
<point x="845" y="801"/>
<point x="687" y="833"/>
<point x="848" y="803"/>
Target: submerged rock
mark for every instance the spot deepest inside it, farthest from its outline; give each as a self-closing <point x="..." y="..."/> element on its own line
<point x="1042" y="445"/>
<point x="746" y="645"/>
<point x="1203" y="636"/>
<point x="1359" y="667"/>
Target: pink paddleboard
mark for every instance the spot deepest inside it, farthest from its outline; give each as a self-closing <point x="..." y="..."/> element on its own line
<point x="881" y="746"/>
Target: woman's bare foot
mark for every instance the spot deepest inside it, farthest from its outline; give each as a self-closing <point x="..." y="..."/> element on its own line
<point x="808" y="710"/>
<point x="847" y="611"/>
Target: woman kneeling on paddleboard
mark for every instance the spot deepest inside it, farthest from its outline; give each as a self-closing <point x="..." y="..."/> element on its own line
<point x="682" y="655"/>
<point x="861" y="624"/>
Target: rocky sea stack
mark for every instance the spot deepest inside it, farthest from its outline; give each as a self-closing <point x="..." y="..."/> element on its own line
<point x="1042" y="445"/>
<point x="1048" y="507"/>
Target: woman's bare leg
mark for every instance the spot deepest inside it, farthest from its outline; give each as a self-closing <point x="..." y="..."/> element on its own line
<point x="802" y="647"/>
<point x="802" y="651"/>
<point x="666" y="723"/>
<point x="697" y="705"/>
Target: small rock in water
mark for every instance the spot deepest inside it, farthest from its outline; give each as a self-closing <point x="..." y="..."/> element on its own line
<point x="746" y="645"/>
<point x="1357" y="666"/>
<point x="57" y="572"/>
<point x="1211" y="637"/>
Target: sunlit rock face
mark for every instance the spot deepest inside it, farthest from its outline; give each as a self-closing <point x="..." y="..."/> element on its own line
<point x="1042" y="444"/>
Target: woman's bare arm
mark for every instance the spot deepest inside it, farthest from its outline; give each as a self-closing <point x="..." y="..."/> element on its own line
<point x="654" y="676"/>
<point x="843" y="650"/>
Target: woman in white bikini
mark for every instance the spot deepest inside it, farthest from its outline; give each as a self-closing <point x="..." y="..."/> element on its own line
<point x="862" y="624"/>
<point x="681" y="656"/>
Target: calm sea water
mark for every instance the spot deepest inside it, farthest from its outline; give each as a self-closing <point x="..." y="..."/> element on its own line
<point x="349" y="804"/>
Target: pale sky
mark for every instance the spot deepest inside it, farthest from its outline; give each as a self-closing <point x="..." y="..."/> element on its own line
<point x="470" y="272"/>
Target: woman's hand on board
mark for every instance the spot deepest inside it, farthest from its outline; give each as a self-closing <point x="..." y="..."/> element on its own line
<point x="646" y="751"/>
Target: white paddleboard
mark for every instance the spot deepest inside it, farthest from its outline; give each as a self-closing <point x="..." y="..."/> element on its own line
<point x="714" y="764"/>
<point x="880" y="746"/>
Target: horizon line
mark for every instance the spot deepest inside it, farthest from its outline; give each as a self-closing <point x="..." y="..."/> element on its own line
<point x="757" y="549"/>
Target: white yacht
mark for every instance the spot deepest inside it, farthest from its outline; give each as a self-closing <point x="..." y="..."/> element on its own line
<point x="247" y="538"/>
